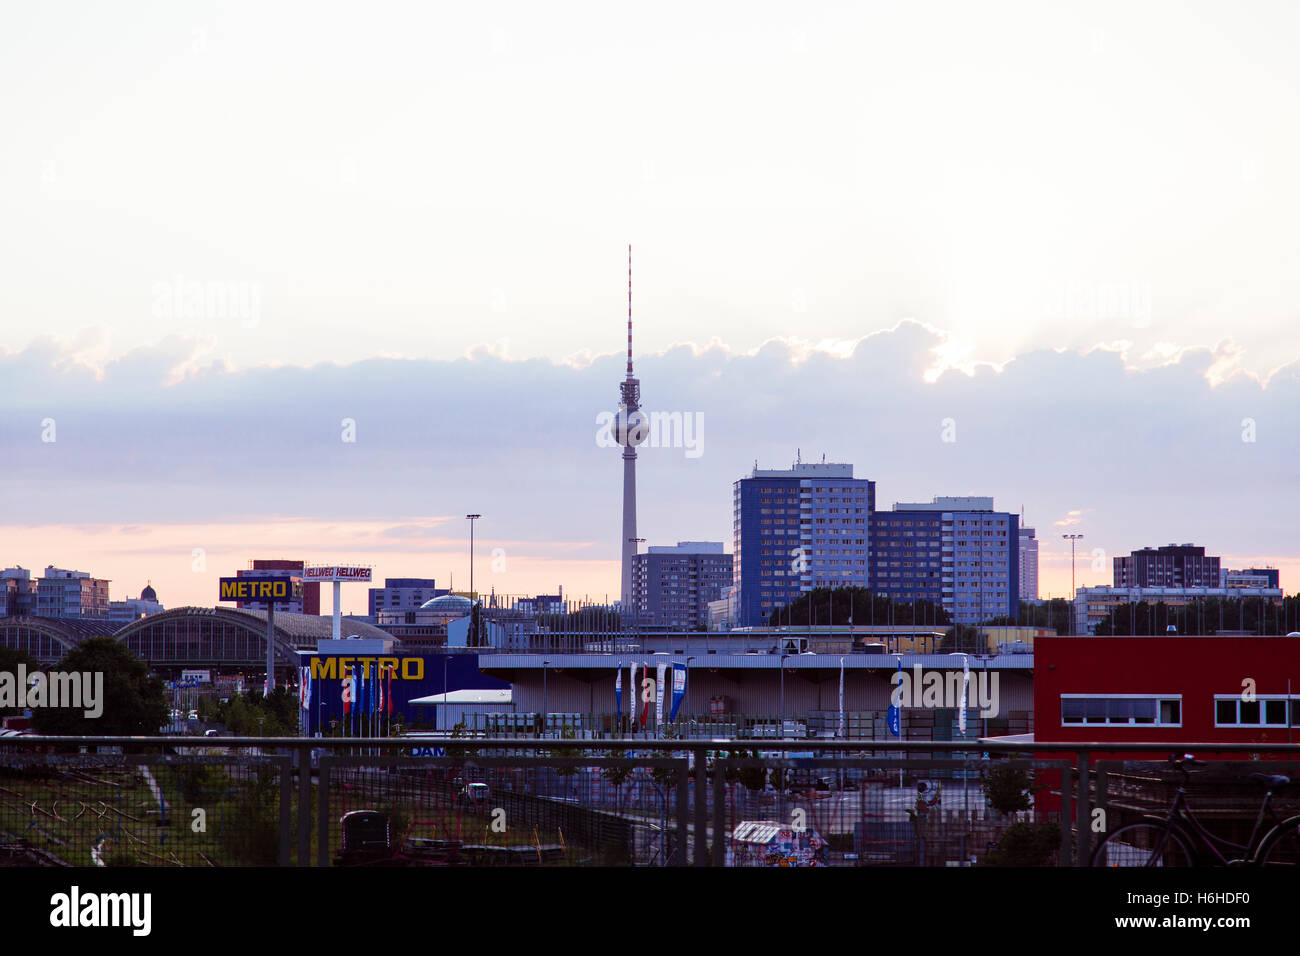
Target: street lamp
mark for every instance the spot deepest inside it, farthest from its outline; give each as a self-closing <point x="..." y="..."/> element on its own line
<point x="471" y="519"/>
<point x="1072" y="538"/>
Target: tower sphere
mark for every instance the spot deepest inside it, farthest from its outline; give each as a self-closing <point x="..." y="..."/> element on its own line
<point x="630" y="429"/>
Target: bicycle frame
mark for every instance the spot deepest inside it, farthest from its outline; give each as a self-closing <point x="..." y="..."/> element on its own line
<point x="1181" y="819"/>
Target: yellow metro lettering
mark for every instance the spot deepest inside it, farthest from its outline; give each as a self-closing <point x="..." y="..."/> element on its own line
<point x="326" y="669"/>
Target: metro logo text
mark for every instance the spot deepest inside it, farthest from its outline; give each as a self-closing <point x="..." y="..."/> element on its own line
<point x="259" y="589"/>
<point x="400" y="668"/>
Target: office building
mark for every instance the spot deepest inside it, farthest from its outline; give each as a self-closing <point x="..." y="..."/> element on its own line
<point x="955" y="551"/>
<point x="1172" y="566"/>
<point x="722" y="612"/>
<point x="403" y="594"/>
<point x="75" y="594"/>
<point x="1092" y="605"/>
<point x="17" y="592"/>
<point x="797" y="529"/>
<point x="537" y="604"/>
<point x="1028" y="565"/>
<point x="672" y="586"/>
<point x="1250" y="578"/>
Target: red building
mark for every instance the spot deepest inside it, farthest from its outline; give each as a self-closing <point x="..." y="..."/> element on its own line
<point x="1175" y="689"/>
<point x="310" y="589"/>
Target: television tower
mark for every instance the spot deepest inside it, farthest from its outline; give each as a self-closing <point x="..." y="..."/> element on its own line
<point x="631" y="432"/>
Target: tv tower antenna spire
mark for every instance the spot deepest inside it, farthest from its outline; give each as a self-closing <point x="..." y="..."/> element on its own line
<point x="629" y="311"/>
<point x="631" y="432"/>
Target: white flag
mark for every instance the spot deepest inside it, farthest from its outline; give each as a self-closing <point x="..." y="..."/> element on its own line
<point x="659" y="693"/>
<point x="965" y="680"/>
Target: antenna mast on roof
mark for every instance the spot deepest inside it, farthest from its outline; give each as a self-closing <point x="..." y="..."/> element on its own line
<point x="629" y="311"/>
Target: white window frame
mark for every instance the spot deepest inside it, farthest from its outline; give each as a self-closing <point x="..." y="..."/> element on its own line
<point x="1259" y="699"/>
<point x="1158" y="698"/>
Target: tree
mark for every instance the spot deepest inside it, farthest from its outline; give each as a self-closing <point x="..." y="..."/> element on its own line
<point x="838" y="606"/>
<point x="1055" y="614"/>
<point x="566" y="733"/>
<point x="1008" y="790"/>
<point x="253" y="715"/>
<point x="10" y="659"/>
<point x="962" y="637"/>
<point x="133" y="702"/>
<point x="1204" y="616"/>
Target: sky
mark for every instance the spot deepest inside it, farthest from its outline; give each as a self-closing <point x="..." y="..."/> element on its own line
<point x="230" y="229"/>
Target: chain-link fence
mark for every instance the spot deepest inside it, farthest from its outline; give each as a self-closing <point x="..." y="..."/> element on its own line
<point x="634" y="802"/>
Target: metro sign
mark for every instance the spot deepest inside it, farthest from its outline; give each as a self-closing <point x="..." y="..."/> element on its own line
<point x="336" y="573"/>
<point x="262" y="588"/>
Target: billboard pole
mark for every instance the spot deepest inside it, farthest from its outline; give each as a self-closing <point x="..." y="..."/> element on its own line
<point x="270" y="648"/>
<point x="338" y="612"/>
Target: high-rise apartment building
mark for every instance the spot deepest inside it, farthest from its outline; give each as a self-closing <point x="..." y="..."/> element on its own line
<point x="955" y="551"/>
<point x="1172" y="566"/>
<point x="797" y="529"/>
<point x="1028" y="565"/>
<point x="673" y="585"/>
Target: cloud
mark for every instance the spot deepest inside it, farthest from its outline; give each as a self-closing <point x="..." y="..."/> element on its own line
<point x="1158" y="453"/>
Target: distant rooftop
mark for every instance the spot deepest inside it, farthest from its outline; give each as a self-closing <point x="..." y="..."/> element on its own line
<point x="947" y="504"/>
<point x="822" y="469"/>
<point x="687" y="547"/>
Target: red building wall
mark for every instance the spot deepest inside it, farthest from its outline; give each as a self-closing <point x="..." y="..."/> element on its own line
<point x="1197" y="668"/>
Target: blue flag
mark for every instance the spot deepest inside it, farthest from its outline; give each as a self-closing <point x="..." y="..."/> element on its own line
<point x="894" y="716"/>
<point x="679" y="688"/>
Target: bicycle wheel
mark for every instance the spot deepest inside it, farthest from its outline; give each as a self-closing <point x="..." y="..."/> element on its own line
<point x="1282" y="845"/>
<point x="1144" y="844"/>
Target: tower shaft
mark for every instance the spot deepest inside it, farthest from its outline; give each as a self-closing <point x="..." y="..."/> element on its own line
<point x="629" y="402"/>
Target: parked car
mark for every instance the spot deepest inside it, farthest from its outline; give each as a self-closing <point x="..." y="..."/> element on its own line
<point x="474" y="796"/>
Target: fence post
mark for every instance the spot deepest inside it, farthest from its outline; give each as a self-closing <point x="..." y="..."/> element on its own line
<point x="701" y="807"/>
<point x="286" y="797"/>
<point x="682" y="856"/>
<point x="719" y="814"/>
<point x="323" y="812"/>
<point x="304" y="806"/>
<point x="1082" y="829"/>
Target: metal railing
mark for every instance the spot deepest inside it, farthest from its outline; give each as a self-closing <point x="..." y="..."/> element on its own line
<point x="160" y="801"/>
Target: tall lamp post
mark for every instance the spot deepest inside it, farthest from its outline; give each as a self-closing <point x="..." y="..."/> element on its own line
<point x="1072" y="538"/>
<point x="471" y="519"/>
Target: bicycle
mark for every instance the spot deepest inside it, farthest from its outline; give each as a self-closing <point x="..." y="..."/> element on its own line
<point x="1178" y="839"/>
